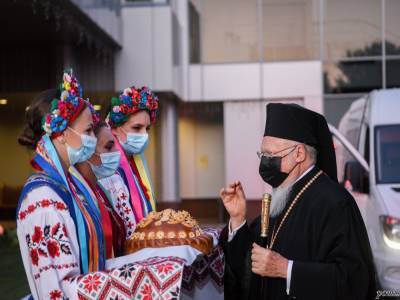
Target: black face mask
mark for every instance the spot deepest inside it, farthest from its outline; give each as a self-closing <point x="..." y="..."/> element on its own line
<point x="270" y="170"/>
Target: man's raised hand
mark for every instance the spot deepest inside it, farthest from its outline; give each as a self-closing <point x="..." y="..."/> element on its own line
<point x="234" y="201"/>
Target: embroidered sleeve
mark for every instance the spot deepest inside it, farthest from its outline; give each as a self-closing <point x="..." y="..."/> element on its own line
<point x="120" y="200"/>
<point x="50" y="253"/>
<point x="48" y="244"/>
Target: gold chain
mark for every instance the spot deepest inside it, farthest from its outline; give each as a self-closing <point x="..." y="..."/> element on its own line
<point x="290" y="208"/>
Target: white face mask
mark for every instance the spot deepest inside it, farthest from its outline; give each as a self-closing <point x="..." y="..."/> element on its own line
<point x="84" y="152"/>
<point x="135" y="143"/>
<point x="109" y="164"/>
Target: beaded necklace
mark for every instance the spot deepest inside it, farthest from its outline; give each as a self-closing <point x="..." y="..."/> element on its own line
<point x="296" y="199"/>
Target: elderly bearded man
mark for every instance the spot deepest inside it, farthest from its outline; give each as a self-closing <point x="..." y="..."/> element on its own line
<point x="318" y="246"/>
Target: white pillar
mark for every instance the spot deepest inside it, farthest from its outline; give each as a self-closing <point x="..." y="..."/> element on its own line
<point x="169" y="151"/>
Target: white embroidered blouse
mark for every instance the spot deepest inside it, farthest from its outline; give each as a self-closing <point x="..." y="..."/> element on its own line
<point x="49" y="244"/>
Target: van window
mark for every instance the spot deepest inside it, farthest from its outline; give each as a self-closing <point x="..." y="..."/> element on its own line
<point x="366" y="149"/>
<point x="387" y="153"/>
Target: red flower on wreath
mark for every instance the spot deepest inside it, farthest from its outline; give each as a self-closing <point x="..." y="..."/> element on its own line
<point x="91" y="282"/>
<point x="53" y="248"/>
<point x="124" y="109"/>
<point x="135" y="94"/>
<point x="37" y="235"/>
<point x="65" y="109"/>
<point x="34" y="256"/>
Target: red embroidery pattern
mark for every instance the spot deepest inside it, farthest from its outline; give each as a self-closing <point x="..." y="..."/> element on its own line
<point x="211" y="266"/>
<point x="74" y="278"/>
<point x="48" y="242"/>
<point x="125" y="212"/>
<point x="147" y="292"/>
<point x="56" y="267"/>
<point x="140" y="280"/>
<point x="59" y="205"/>
<point x="55" y="295"/>
<point x="92" y="282"/>
<point x="164" y="268"/>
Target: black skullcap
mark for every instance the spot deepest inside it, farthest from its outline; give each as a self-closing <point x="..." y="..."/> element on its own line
<point x="296" y="123"/>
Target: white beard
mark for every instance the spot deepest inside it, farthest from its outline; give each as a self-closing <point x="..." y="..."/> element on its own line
<point x="280" y="197"/>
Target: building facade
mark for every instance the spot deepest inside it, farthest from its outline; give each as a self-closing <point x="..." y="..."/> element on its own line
<point x="215" y="64"/>
<point x="225" y="59"/>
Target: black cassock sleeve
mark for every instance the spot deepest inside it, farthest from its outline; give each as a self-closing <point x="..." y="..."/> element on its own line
<point x="342" y="266"/>
<point x="237" y="261"/>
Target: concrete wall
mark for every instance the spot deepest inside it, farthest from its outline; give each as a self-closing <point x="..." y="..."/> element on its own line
<point x="146" y="55"/>
<point x="201" y="158"/>
<point x="230" y="82"/>
<point x="180" y="32"/>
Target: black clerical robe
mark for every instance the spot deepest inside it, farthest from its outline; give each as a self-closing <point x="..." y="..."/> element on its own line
<point x="325" y="237"/>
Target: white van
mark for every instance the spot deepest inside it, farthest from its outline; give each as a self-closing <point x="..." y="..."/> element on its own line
<point x="368" y="156"/>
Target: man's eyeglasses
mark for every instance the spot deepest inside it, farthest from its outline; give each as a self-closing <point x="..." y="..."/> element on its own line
<point x="269" y="154"/>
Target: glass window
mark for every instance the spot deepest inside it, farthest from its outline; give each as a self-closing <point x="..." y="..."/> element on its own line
<point x="366" y="146"/>
<point x="229" y="31"/>
<point x="388" y="154"/>
<point x="194" y="31"/>
<point x="392" y="34"/>
<point x="352" y="28"/>
<point x="392" y="73"/>
<point x="343" y="156"/>
<point x="352" y="76"/>
<point x="176" y="39"/>
<point x="335" y="108"/>
<point x="291" y="29"/>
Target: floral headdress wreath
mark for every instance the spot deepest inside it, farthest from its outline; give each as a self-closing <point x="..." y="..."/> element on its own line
<point x="65" y="110"/>
<point x="130" y="101"/>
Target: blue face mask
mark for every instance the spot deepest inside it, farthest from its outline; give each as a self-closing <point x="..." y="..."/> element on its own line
<point x="84" y="152"/>
<point x="109" y="164"/>
<point x="135" y="143"/>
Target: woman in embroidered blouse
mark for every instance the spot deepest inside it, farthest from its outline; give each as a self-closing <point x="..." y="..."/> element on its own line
<point x="58" y="223"/>
<point x="99" y="171"/>
<point x="130" y="118"/>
